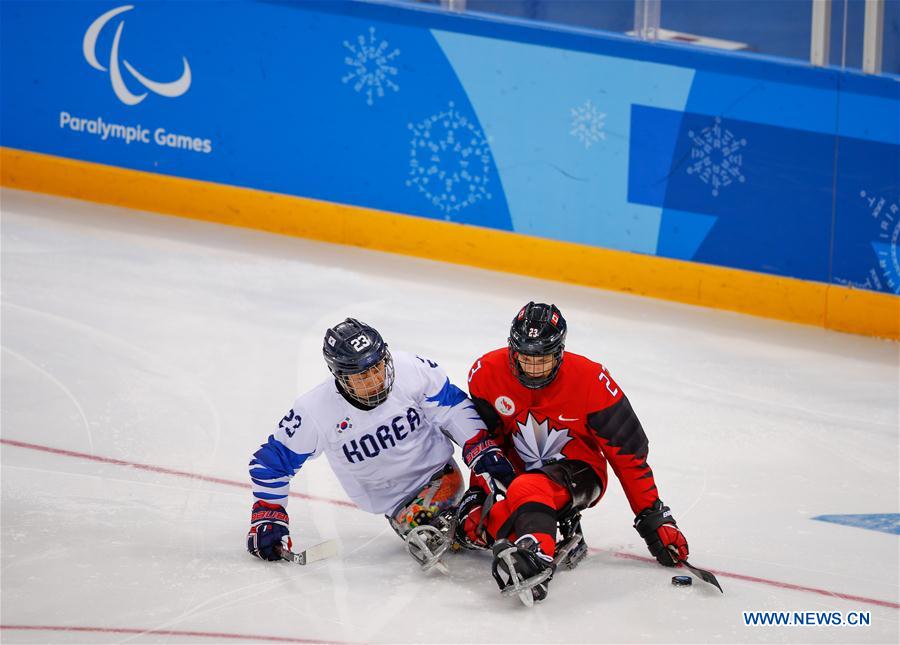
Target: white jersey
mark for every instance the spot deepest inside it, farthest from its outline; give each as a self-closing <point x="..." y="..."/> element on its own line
<point x="381" y="456"/>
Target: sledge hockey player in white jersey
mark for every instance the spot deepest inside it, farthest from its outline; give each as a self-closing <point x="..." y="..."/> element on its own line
<point x="383" y="422"/>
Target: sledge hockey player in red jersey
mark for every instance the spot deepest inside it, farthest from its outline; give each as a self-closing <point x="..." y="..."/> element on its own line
<point x="559" y="418"/>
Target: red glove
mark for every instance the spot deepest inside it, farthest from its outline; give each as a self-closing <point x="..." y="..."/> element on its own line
<point x="674" y="541"/>
<point x="663" y="537"/>
<point x="469" y="518"/>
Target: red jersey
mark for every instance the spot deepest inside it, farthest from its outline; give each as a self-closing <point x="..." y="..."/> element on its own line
<point x="582" y="414"/>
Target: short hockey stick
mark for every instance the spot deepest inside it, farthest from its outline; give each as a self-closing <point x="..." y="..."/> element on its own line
<point x="485" y="509"/>
<point x="310" y="554"/>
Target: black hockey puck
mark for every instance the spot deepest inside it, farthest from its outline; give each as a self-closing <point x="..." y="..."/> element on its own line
<point x="682" y="581"/>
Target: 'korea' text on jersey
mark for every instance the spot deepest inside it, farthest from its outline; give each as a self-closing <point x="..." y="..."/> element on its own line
<point x="381" y="456"/>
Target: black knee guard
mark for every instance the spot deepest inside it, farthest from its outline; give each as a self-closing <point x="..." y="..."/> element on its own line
<point x="579" y="478"/>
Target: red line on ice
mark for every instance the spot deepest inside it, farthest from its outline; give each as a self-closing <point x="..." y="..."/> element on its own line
<point x="766" y="581"/>
<point x="337" y="502"/>
<point x="161" y="632"/>
<point x="161" y="469"/>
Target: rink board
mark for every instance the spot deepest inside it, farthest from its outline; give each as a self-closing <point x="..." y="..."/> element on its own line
<point x="740" y="181"/>
<point x="834" y="307"/>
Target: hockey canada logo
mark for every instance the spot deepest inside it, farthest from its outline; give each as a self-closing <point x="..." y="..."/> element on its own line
<point x="505" y="406"/>
<point x="171" y="89"/>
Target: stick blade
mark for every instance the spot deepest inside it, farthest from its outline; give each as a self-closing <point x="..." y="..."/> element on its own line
<point x="704" y="575"/>
<point x="312" y="554"/>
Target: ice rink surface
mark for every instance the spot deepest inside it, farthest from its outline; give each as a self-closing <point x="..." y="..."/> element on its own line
<point x="144" y="358"/>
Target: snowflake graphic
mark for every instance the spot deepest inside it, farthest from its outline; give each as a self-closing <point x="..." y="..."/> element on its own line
<point x="716" y="156"/>
<point x="370" y="66"/>
<point x="450" y="161"/>
<point x="587" y="124"/>
<point x="538" y="444"/>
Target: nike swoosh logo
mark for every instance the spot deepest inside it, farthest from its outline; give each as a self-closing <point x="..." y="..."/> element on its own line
<point x="562" y="418"/>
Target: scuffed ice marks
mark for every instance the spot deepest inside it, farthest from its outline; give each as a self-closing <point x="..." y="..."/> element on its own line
<point x="450" y="161"/>
<point x="371" y="68"/>
<point x="716" y="156"/>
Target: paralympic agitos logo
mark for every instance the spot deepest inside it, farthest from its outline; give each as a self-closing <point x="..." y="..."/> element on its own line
<point x="171" y="89"/>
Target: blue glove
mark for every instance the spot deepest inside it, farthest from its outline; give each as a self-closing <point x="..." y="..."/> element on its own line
<point x="484" y="457"/>
<point x="269" y="533"/>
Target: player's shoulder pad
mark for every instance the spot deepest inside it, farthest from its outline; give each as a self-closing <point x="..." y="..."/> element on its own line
<point x="406" y="360"/>
<point x="416" y="373"/>
<point x="314" y="403"/>
<point x="313" y="398"/>
<point x="401" y="357"/>
<point x="593" y="375"/>
<point x="582" y="364"/>
<point x="493" y="360"/>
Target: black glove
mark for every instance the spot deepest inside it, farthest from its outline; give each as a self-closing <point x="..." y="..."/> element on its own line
<point x="269" y="533"/>
<point x="484" y="457"/>
<point x="663" y="537"/>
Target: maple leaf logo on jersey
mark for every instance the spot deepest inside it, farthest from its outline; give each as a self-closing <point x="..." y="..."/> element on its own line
<point x="539" y="444"/>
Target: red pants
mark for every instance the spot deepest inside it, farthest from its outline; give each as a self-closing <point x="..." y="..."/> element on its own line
<point x="531" y="507"/>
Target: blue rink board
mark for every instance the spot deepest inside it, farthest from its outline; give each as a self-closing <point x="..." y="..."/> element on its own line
<point x="746" y="162"/>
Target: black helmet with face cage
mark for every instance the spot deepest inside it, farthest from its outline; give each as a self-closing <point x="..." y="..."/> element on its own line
<point x="537" y="330"/>
<point x="353" y="347"/>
